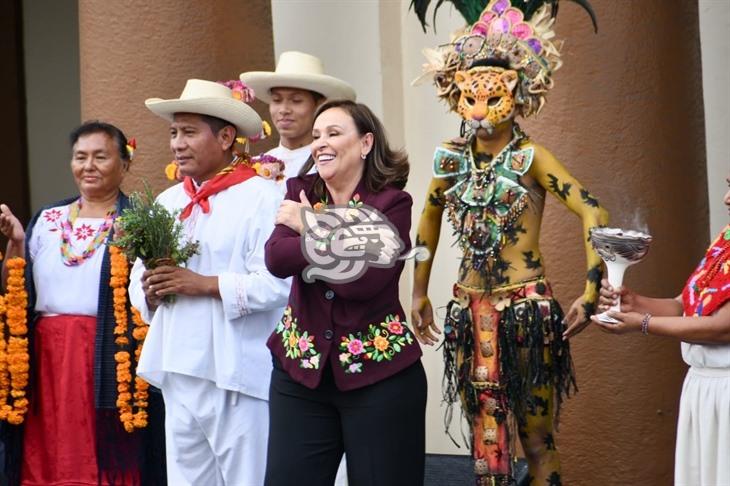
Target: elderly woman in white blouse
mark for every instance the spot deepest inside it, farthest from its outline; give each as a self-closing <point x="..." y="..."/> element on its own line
<point x="72" y="433"/>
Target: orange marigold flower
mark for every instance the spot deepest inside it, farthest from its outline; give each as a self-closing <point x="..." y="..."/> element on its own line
<point x="380" y="343"/>
<point x="15" y="418"/>
<point x="15" y="263"/>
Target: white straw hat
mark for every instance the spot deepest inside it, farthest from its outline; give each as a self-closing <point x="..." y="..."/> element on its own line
<point x="209" y="98"/>
<point x="298" y="70"/>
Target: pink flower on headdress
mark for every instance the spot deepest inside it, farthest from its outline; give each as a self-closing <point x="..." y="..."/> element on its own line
<point x="240" y="91"/>
<point x="502" y="19"/>
<point x="500" y="6"/>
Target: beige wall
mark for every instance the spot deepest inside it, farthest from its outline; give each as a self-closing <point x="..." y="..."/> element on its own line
<point x="51" y="58"/>
<point x="133" y="50"/>
<point x="629" y="125"/>
<point x="715" y="36"/>
<point x="346" y="40"/>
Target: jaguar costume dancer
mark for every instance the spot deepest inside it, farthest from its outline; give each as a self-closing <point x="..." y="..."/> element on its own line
<point x="506" y="349"/>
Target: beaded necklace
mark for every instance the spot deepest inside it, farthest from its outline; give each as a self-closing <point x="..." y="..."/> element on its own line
<point x="485" y="201"/>
<point x="71" y="259"/>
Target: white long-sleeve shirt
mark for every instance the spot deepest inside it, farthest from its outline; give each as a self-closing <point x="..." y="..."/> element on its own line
<point x="221" y="340"/>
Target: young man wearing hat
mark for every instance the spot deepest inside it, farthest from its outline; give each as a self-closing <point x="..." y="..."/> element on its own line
<point x="206" y="349"/>
<point x="293" y="92"/>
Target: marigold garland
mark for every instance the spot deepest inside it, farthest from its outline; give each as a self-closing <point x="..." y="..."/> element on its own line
<point x="130" y="419"/>
<point x="4" y="379"/>
<point x="14" y="357"/>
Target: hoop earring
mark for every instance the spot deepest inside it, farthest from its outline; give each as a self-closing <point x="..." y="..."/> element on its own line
<point x="462" y="129"/>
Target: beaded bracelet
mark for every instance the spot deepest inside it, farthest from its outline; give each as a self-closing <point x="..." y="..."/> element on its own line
<point x="645" y="324"/>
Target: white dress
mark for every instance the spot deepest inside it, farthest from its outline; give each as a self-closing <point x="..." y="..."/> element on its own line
<point x="703" y="428"/>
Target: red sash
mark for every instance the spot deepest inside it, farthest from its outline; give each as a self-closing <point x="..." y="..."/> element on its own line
<point x="230" y="176"/>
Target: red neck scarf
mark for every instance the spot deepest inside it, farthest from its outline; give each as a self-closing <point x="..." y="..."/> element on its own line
<point x="230" y="176"/>
<point x="708" y="288"/>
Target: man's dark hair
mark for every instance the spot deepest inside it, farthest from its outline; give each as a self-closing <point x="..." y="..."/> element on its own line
<point x="216" y="124"/>
<point x="96" y="126"/>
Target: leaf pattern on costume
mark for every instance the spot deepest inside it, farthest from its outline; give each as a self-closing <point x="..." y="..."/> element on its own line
<point x="589" y="308"/>
<point x="381" y="343"/>
<point x="549" y="441"/>
<point x="538" y="405"/>
<point x="554" y="479"/>
<point x="500" y="268"/>
<point x="594" y="276"/>
<point x="512" y="231"/>
<point x="530" y="261"/>
<point x="589" y="199"/>
<point x="560" y="190"/>
<point x="436" y="197"/>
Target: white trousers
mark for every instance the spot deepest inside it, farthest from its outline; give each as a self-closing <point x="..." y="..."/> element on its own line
<point x="341" y="478"/>
<point x="215" y="437"/>
<point x="703" y="429"/>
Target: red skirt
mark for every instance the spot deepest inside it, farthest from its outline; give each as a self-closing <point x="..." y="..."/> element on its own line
<point x="59" y="445"/>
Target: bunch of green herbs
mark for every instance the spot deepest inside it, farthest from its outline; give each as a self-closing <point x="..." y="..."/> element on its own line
<point x="147" y="230"/>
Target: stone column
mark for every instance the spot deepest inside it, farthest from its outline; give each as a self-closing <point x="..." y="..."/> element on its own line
<point x="133" y="50"/>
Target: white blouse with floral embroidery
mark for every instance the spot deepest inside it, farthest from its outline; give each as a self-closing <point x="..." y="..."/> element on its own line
<point x="62" y="289"/>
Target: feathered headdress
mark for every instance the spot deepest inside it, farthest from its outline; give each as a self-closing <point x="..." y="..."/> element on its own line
<point x="518" y="33"/>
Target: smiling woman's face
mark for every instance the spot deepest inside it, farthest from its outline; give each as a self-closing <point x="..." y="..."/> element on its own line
<point x="96" y="165"/>
<point x="337" y="147"/>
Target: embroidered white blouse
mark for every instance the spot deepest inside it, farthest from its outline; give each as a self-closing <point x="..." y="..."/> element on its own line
<point x="61" y="289"/>
<point x="221" y="340"/>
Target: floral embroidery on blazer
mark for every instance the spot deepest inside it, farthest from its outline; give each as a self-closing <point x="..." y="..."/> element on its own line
<point x="381" y="343"/>
<point x="297" y="345"/>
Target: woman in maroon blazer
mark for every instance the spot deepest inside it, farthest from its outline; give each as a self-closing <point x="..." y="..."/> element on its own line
<point x="347" y="373"/>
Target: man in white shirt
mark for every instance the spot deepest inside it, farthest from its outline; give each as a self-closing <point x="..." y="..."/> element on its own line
<point x="206" y="349"/>
<point x="293" y="93"/>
